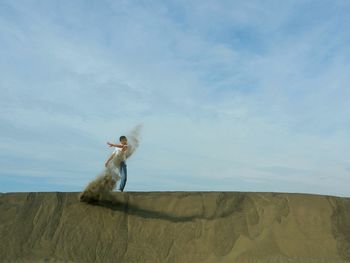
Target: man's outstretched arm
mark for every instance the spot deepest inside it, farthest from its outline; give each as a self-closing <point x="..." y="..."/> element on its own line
<point x="115" y="145"/>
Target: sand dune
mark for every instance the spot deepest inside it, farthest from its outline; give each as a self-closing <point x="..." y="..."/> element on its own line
<point x="175" y="227"/>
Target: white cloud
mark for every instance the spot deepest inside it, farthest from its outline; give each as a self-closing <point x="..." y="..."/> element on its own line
<point x="228" y="92"/>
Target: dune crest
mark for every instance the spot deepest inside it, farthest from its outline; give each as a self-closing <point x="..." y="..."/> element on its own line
<point x="175" y="227"/>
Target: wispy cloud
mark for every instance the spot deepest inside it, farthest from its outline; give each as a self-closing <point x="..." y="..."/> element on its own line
<point x="233" y="95"/>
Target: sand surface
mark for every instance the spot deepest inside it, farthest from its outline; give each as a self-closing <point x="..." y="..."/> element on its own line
<point x="175" y="227"/>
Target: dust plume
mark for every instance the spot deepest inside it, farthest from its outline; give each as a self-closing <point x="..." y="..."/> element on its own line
<point x="106" y="181"/>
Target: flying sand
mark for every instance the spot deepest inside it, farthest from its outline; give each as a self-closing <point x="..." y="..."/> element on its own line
<point x="106" y="181"/>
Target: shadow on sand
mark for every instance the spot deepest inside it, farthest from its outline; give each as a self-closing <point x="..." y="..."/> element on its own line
<point x="117" y="205"/>
<point x="226" y="206"/>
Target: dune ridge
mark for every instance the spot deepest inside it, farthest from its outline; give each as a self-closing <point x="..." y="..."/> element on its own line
<point x="175" y="227"/>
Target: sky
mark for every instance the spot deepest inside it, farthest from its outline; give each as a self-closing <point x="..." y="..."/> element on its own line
<point x="232" y="95"/>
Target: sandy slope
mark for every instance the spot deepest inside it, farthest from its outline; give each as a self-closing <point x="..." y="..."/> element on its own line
<point x="175" y="227"/>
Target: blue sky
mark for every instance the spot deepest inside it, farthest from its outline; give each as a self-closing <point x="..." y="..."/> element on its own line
<point x="233" y="95"/>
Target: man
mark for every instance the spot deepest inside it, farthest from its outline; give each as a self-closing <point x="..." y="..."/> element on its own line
<point x="120" y="149"/>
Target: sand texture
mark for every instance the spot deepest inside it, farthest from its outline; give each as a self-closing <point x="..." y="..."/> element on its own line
<point x="175" y="227"/>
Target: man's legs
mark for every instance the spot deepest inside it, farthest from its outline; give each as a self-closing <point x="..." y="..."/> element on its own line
<point x="123" y="174"/>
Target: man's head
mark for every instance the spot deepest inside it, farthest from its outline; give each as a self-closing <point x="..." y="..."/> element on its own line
<point x="123" y="140"/>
